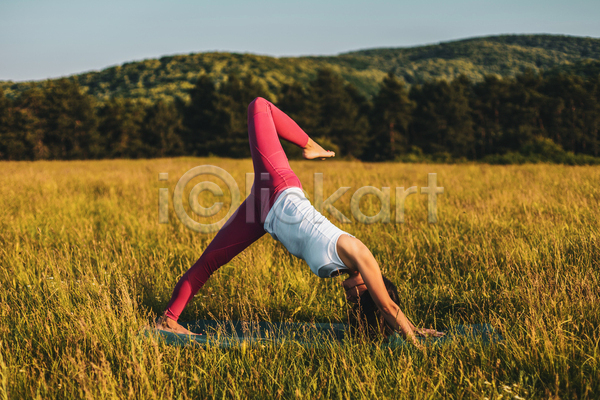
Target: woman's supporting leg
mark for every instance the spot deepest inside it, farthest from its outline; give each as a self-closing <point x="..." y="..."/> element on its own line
<point x="232" y="238"/>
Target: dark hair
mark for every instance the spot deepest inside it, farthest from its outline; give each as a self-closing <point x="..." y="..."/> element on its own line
<point x="366" y="319"/>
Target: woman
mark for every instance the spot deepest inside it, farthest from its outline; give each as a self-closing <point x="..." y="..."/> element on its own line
<point x="277" y="205"/>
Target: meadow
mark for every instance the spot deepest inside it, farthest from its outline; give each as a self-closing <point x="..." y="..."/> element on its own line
<point x="85" y="266"/>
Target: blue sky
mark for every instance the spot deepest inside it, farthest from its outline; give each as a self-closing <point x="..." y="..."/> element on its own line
<point x="43" y="39"/>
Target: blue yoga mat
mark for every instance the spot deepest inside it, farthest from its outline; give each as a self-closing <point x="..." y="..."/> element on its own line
<point x="236" y="333"/>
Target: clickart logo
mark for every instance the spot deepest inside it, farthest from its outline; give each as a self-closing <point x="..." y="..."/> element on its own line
<point x="319" y="203"/>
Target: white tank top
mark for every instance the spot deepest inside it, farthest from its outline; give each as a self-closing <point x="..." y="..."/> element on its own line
<point x="305" y="232"/>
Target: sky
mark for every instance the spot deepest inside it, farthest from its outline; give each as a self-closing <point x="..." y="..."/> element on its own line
<point x="42" y="39"/>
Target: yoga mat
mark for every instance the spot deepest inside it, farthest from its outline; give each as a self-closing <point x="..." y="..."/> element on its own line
<point x="236" y="333"/>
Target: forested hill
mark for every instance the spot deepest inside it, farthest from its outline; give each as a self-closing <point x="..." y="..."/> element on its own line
<point x="506" y="55"/>
<point x="501" y="55"/>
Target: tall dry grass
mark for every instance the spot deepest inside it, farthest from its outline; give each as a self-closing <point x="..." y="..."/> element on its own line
<point x="85" y="265"/>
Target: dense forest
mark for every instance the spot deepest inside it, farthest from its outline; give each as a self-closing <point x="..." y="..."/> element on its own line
<point x="530" y="117"/>
<point x="500" y="99"/>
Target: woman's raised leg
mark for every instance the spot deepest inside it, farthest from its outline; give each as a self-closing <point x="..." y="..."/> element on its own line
<point x="266" y="124"/>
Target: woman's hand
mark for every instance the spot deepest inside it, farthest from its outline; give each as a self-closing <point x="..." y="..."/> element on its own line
<point x="414" y="340"/>
<point x="424" y="332"/>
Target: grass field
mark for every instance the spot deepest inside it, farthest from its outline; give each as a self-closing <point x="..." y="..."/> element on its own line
<point x="85" y="266"/>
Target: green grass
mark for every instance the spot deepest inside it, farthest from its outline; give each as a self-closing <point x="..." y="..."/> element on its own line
<point x="85" y="266"/>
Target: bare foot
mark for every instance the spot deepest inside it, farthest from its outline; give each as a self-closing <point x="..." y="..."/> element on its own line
<point x="165" y="323"/>
<point x="313" y="150"/>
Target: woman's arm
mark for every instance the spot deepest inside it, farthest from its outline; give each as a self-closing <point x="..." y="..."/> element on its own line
<point x="357" y="257"/>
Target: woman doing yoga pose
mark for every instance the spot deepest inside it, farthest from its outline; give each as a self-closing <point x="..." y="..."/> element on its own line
<point x="277" y="205"/>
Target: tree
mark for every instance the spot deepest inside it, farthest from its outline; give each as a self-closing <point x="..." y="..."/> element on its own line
<point x="489" y="112"/>
<point x="160" y="130"/>
<point x="7" y="141"/>
<point x="70" y="124"/>
<point x="389" y="119"/>
<point x="25" y="135"/>
<point x="339" y="114"/>
<point x="568" y="112"/>
<point x="203" y="121"/>
<point x="592" y="117"/>
<point x="297" y="103"/>
<point x="215" y="121"/>
<point x="442" y="118"/>
<point x="523" y="118"/>
<point x="59" y="121"/>
<point x="120" y="126"/>
<point x="234" y="96"/>
<point x="55" y="121"/>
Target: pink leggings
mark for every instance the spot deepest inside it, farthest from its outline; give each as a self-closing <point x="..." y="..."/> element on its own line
<point x="272" y="174"/>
